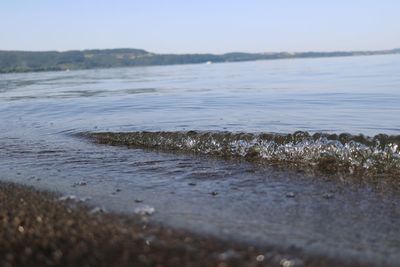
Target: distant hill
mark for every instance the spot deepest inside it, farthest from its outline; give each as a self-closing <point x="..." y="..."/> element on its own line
<point x="26" y="61"/>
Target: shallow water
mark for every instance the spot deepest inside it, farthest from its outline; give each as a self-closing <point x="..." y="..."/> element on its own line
<point x="40" y="113"/>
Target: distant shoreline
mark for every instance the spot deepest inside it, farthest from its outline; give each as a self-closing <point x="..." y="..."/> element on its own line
<point x="32" y="61"/>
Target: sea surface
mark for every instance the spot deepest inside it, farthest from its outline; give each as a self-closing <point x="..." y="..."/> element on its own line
<point x="42" y="116"/>
<point x="354" y="94"/>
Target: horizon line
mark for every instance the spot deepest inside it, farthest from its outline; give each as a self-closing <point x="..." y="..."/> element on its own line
<point x="202" y="53"/>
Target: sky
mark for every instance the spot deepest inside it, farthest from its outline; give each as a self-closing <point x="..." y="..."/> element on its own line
<point x="200" y="26"/>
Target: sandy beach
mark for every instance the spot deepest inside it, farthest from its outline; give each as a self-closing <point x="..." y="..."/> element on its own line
<point x="39" y="229"/>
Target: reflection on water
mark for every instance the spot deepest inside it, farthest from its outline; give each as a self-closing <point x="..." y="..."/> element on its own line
<point x="82" y="93"/>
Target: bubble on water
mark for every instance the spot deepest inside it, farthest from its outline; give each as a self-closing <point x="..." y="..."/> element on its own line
<point x="328" y="152"/>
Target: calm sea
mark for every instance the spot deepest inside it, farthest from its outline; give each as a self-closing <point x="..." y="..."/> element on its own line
<point x="354" y="94"/>
<point x="40" y="113"/>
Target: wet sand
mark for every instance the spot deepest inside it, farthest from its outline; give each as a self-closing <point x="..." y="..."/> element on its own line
<point x="38" y="229"/>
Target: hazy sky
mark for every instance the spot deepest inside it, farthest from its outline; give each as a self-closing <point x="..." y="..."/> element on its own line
<point x="217" y="26"/>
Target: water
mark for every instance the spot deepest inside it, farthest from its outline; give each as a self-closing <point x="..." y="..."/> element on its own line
<point x="355" y="95"/>
<point x="329" y="152"/>
<point x="42" y="113"/>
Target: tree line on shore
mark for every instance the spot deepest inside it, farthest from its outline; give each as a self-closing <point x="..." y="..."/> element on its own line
<point x="31" y="61"/>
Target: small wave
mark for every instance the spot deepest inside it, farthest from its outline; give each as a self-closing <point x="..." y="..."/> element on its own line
<point x="328" y="152"/>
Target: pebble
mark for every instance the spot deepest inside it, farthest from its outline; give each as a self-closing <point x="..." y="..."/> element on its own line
<point x="144" y="210"/>
<point x="98" y="210"/>
<point x="227" y="255"/>
<point x="260" y="258"/>
<point x="327" y="195"/>
<point x="21" y="229"/>
<point x="81" y="183"/>
<point x="290" y="194"/>
<point x="291" y="262"/>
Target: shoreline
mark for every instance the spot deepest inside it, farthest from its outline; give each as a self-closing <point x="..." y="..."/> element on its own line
<point x="40" y="230"/>
<point x="141" y="60"/>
